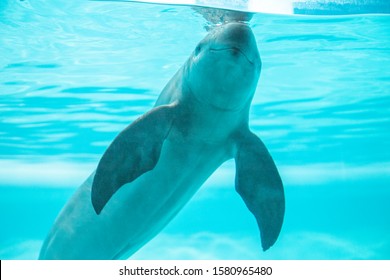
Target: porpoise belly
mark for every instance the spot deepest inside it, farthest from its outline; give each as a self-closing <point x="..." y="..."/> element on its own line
<point x="137" y="211"/>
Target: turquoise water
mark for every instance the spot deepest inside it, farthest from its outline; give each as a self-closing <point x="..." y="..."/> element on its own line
<point x="73" y="75"/>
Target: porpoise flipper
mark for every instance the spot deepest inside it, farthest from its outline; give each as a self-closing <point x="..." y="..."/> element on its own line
<point x="133" y="152"/>
<point x="260" y="186"/>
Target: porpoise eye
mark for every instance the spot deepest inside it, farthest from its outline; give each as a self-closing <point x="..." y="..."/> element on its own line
<point x="198" y="49"/>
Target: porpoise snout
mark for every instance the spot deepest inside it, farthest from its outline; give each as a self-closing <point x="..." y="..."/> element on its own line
<point x="237" y="32"/>
<point x="238" y="38"/>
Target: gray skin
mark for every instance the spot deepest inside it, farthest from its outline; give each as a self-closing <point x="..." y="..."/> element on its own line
<point x="155" y="165"/>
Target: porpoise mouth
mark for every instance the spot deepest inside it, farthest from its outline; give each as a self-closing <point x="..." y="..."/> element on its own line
<point x="232" y="49"/>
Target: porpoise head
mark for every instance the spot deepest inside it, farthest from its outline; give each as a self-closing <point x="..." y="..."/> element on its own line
<point x="224" y="69"/>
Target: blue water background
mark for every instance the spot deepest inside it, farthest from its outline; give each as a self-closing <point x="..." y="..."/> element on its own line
<point x="75" y="73"/>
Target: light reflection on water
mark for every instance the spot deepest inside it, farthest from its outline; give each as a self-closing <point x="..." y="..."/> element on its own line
<point x="74" y="74"/>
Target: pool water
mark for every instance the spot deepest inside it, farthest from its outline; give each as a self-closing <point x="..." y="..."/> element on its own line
<point x="73" y="74"/>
